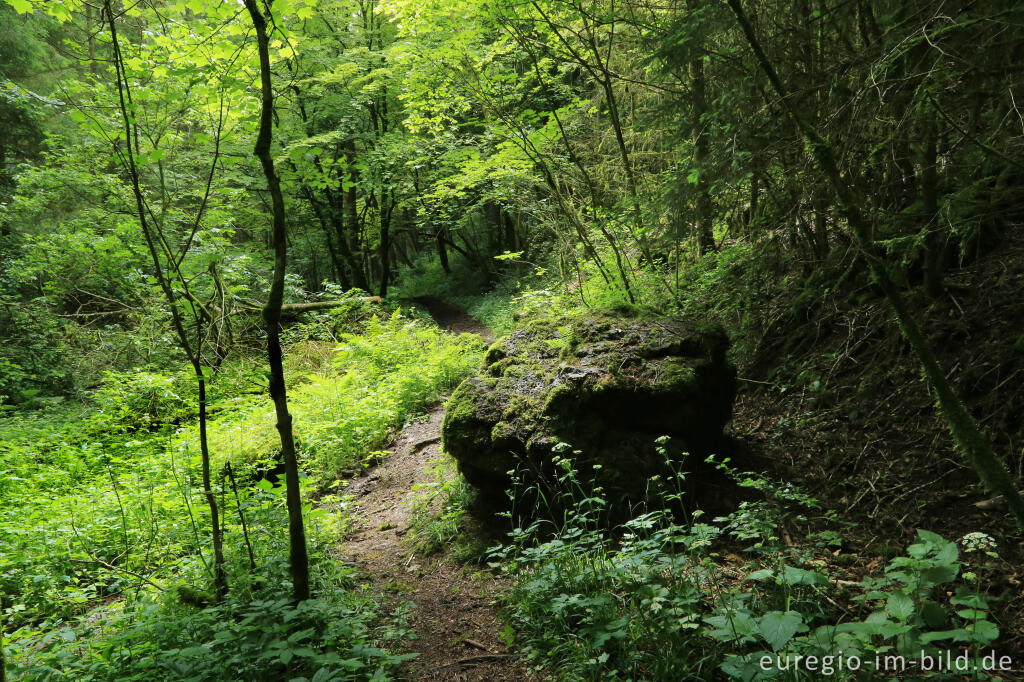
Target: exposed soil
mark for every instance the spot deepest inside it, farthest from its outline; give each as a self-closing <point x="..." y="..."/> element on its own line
<point x="835" y="400"/>
<point x="455" y="619"/>
<point x="453" y="318"/>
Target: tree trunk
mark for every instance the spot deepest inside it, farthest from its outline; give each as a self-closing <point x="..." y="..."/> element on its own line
<point x="163" y="278"/>
<point x="385" y="245"/>
<point x="755" y="196"/>
<point x="442" y="250"/>
<point x="3" y="658"/>
<point x="705" y="233"/>
<point x="298" y="557"/>
<point x="355" y="270"/>
<point x="220" y="583"/>
<point x="351" y="230"/>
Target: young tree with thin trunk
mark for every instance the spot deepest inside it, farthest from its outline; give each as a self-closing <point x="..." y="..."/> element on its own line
<point x="298" y="555"/>
<point x="701" y="143"/>
<point x="167" y="264"/>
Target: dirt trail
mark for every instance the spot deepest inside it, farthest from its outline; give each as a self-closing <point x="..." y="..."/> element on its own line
<point x="454" y="619"/>
<point x="452" y="317"/>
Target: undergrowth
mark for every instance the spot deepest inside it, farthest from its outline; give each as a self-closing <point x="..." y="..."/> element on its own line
<point x="440" y="514"/>
<point x="172" y="630"/>
<point x="346" y="411"/>
<point x="105" y="569"/>
<point x="659" y="598"/>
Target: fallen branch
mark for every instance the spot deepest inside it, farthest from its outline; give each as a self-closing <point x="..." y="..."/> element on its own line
<point x="325" y="305"/>
<point x="475" y="644"/>
<point x="296" y="308"/>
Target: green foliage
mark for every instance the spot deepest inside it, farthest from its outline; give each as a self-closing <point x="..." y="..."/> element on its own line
<point x="911" y="617"/>
<point x="141" y="400"/>
<point x="102" y="508"/>
<point x="554" y="155"/>
<point x="438" y="513"/>
<point x="651" y="600"/>
<point x="254" y="634"/>
<point x="376" y="381"/>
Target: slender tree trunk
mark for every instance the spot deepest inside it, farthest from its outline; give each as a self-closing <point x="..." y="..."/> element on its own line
<point x="220" y="582"/>
<point x="355" y="271"/>
<point x="705" y="234"/>
<point x="153" y="235"/>
<point x="385" y="245"/>
<point x="755" y="196"/>
<point x="975" y="445"/>
<point x="359" y="277"/>
<point x="298" y="556"/>
<point x="3" y="658"/>
<point x="819" y="236"/>
<point x="329" y="233"/>
<point x="442" y="250"/>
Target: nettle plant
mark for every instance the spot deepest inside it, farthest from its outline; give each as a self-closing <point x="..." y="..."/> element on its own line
<point x="911" y="623"/>
<point x="653" y="599"/>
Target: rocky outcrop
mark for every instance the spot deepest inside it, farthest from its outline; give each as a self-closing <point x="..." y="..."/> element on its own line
<point x="592" y="390"/>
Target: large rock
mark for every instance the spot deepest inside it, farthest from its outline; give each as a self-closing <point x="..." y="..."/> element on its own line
<point x="594" y="388"/>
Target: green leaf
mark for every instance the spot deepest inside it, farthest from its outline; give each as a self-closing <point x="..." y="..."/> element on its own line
<point x="964" y="597"/>
<point x="21" y="6"/>
<point x="900" y="606"/>
<point x="738" y="626"/>
<point x="300" y="635"/>
<point x="983" y="631"/>
<point x="792" y="575"/>
<point x="940" y="574"/>
<point x="778" y="628"/>
<point x="972" y="614"/>
<point x="929" y="637"/>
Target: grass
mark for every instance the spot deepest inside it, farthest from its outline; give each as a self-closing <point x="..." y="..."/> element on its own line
<point x="105" y="568"/>
<point x="376" y="381"/>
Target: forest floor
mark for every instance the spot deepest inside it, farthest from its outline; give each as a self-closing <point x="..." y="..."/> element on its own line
<point x="834" y="401"/>
<point x="454" y="618"/>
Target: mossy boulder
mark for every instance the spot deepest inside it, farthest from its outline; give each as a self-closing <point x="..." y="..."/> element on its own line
<point x="596" y="390"/>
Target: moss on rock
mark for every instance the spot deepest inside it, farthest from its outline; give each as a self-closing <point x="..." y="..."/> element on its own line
<point x="599" y="385"/>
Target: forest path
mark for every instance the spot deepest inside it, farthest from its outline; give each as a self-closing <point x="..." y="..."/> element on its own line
<point x="453" y="318"/>
<point x="454" y="619"/>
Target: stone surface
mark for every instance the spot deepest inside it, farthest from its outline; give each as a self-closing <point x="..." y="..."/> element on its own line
<point x="594" y="388"/>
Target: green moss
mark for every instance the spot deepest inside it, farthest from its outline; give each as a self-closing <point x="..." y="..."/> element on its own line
<point x="555" y="396"/>
<point x="513" y="371"/>
<point x="461" y="406"/>
<point x="501" y="431"/>
<point x="495" y="353"/>
<point x="676" y="376"/>
<point x="521" y="407"/>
